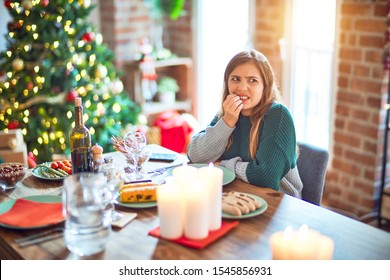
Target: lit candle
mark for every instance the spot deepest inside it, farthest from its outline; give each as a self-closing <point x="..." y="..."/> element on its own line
<point x="326" y="248"/>
<point x="212" y="178"/>
<point x="303" y="244"/>
<point x="170" y="210"/>
<point x="183" y="175"/>
<point x="196" y="222"/>
<point x="281" y="244"/>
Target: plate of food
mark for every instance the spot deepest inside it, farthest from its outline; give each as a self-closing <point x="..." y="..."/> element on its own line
<point x="31" y="212"/>
<point x="53" y="171"/>
<point x="238" y="205"/>
<point x="228" y="175"/>
<point x="137" y="195"/>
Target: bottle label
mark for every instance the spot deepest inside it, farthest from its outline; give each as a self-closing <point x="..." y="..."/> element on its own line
<point x="81" y="160"/>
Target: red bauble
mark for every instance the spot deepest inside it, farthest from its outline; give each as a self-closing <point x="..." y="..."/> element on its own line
<point x="71" y="96"/>
<point x="44" y="3"/>
<point x="7" y="4"/>
<point x="88" y="37"/>
<point x="30" y="86"/>
<point x="14" y="124"/>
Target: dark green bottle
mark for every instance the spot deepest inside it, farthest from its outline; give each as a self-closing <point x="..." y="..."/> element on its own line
<point x="80" y="142"/>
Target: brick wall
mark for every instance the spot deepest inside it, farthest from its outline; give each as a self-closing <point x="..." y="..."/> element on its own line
<point x="354" y="176"/>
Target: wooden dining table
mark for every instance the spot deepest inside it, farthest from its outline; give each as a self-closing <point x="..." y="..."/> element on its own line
<point x="249" y="240"/>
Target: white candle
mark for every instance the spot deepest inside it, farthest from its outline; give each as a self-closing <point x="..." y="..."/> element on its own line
<point x="326" y="248"/>
<point x="303" y="244"/>
<point x="281" y="244"/>
<point x="170" y="210"/>
<point x="197" y="212"/>
<point x="183" y="175"/>
<point x="212" y="178"/>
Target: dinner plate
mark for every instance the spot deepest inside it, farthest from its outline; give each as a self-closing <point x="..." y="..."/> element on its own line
<point x="228" y="175"/>
<point x="263" y="207"/>
<point x="7" y="205"/>
<point x="36" y="172"/>
<point x="139" y="205"/>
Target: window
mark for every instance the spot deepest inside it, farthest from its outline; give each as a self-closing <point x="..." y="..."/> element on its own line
<point x="311" y="44"/>
<point x="222" y="32"/>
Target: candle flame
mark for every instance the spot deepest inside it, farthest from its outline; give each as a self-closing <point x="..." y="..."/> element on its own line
<point x="211" y="165"/>
<point x="303" y="231"/>
<point x="288" y="232"/>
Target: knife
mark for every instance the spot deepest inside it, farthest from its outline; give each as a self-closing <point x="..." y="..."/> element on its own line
<point x="41" y="239"/>
<point x="163" y="169"/>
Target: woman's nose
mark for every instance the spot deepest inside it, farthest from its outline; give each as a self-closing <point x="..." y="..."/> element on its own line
<point x="243" y="85"/>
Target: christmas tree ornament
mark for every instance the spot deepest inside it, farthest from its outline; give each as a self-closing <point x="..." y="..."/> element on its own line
<point x="101" y="71"/>
<point x="71" y="96"/>
<point x="30" y="86"/>
<point x="8" y="4"/>
<point x="44" y="3"/>
<point x="13" y="26"/>
<point x="27" y="4"/>
<point x="88" y="37"/>
<point x="14" y="124"/>
<point x="17" y="64"/>
<point x="86" y="4"/>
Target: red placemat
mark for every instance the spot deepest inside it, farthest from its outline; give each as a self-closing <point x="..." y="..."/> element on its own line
<point x="201" y="243"/>
<point x="27" y="213"/>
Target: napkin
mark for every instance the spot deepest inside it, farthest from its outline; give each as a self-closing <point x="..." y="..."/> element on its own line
<point x="201" y="243"/>
<point x="27" y="213"/>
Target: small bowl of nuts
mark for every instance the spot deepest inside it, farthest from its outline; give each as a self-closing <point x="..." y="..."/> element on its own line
<point x="10" y="174"/>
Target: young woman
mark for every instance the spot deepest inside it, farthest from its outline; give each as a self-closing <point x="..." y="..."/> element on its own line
<point x="253" y="134"/>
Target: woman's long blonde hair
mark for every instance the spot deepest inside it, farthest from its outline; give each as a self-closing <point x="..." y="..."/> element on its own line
<point x="270" y="92"/>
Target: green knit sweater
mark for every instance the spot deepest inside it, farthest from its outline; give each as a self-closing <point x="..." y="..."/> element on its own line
<point x="276" y="153"/>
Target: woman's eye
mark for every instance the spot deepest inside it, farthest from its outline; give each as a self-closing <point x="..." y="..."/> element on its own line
<point x="253" y="80"/>
<point x="234" y="79"/>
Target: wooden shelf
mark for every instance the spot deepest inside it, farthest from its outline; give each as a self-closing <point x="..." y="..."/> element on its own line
<point x="151" y="108"/>
<point x="179" y="68"/>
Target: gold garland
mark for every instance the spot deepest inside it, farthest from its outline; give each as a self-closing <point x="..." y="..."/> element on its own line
<point x="33" y="101"/>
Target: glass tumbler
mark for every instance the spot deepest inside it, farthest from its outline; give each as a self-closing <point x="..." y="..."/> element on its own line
<point x="87" y="230"/>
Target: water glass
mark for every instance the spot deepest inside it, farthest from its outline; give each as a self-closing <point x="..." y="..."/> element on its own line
<point x="87" y="229"/>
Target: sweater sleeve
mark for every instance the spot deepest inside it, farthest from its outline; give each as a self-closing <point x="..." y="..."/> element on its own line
<point x="209" y="144"/>
<point x="276" y="153"/>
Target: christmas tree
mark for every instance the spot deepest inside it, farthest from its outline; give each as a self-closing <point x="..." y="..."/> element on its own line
<point x="54" y="55"/>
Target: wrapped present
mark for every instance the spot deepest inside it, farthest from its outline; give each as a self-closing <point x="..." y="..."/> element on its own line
<point x="11" y="139"/>
<point x="18" y="154"/>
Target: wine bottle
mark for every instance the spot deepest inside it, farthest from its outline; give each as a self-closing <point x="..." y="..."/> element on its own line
<point x="80" y="142"/>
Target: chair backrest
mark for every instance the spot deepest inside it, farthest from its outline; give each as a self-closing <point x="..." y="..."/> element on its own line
<point x="312" y="163"/>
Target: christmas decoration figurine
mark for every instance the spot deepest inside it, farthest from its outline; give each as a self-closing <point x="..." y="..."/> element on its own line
<point x="54" y="55"/>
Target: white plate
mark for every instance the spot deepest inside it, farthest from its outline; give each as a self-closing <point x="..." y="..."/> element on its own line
<point x="263" y="207"/>
<point x="136" y="205"/>
<point x="228" y="175"/>
<point x="36" y="172"/>
<point x="7" y="205"/>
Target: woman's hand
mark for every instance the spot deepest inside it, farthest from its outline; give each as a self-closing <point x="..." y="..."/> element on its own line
<point x="232" y="107"/>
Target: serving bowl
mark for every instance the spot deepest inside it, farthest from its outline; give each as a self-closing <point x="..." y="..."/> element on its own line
<point x="10" y="174"/>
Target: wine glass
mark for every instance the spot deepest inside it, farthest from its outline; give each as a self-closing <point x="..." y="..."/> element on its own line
<point x="135" y="143"/>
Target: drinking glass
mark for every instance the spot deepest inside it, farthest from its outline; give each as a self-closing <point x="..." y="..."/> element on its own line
<point x="115" y="178"/>
<point x="87" y="230"/>
<point x="135" y="143"/>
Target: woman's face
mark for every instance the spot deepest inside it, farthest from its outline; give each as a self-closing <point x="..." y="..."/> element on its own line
<point x="246" y="82"/>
